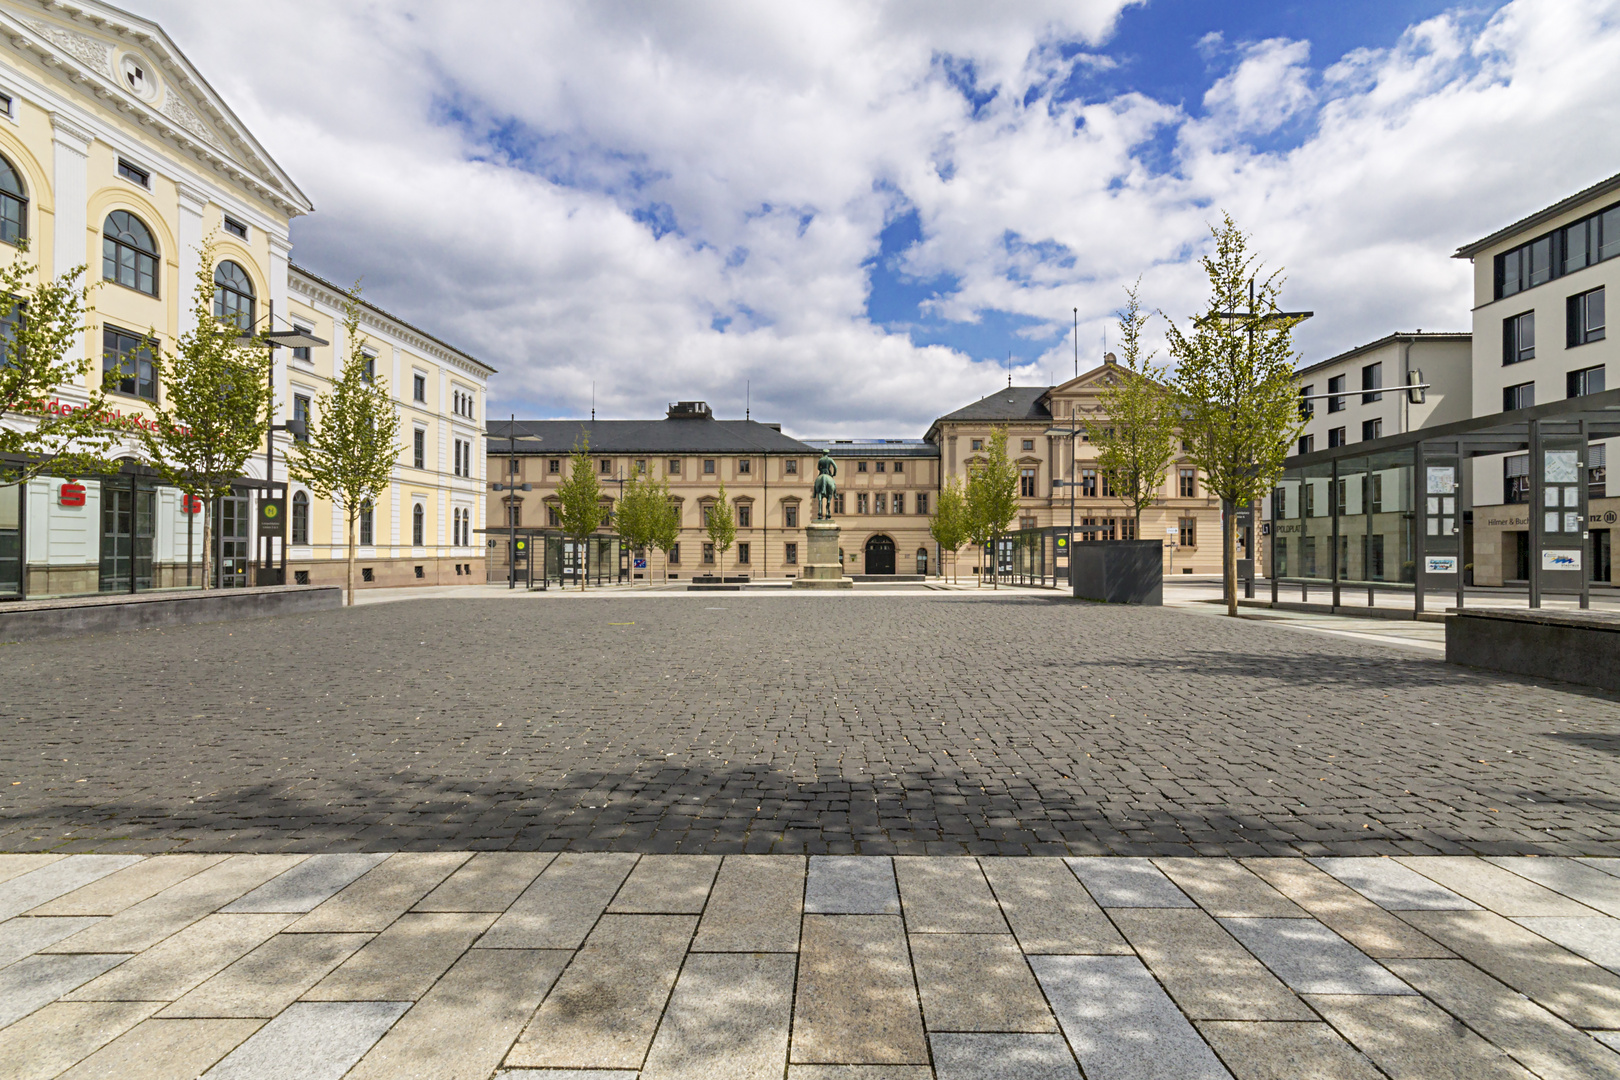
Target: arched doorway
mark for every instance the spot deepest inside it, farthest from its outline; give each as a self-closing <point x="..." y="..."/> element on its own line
<point x="880" y="555"/>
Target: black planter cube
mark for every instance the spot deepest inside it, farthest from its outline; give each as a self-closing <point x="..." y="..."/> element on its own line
<point x="1118" y="571"/>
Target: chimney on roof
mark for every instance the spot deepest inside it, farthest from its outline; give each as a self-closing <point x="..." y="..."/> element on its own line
<point x="690" y="410"/>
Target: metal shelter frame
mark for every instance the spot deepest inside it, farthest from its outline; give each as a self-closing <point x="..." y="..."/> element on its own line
<point x="1406" y="502"/>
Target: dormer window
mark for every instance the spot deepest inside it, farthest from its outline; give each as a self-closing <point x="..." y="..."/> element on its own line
<point x="235" y="228"/>
<point x="134" y="174"/>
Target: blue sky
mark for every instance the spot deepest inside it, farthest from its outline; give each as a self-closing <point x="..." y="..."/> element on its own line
<point x="853" y="213"/>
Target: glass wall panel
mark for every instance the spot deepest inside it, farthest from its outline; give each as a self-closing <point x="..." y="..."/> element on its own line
<point x="1316" y="523"/>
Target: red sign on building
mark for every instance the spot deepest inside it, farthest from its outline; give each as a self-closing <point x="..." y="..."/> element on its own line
<point x="71" y="494"/>
<point x="191" y="504"/>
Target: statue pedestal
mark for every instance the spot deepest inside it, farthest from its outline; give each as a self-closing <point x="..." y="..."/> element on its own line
<point x="821" y="569"/>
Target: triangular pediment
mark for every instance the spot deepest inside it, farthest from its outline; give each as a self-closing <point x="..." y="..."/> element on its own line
<point x="128" y="65"/>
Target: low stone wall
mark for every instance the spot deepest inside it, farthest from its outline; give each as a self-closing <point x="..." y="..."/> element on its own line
<point x="1119" y="571"/>
<point x="1573" y="646"/>
<point x="24" y="620"/>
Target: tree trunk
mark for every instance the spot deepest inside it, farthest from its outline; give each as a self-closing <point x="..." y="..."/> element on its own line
<point x="351" y="517"/>
<point x="208" y="532"/>
<point x="1229" y="558"/>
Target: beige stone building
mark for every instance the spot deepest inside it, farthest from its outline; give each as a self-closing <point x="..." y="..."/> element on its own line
<point x="887" y="492"/>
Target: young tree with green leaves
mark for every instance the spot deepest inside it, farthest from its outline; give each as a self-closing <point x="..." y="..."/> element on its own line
<point x="992" y="498"/>
<point x="949" y="524"/>
<point x="1235" y="381"/>
<point x="579" y="500"/>
<point x="42" y="326"/>
<point x="635" y="517"/>
<point x="216" y="402"/>
<point x="722" y="528"/>
<point x="666" y="532"/>
<point x="352" y="446"/>
<point x="1135" y="432"/>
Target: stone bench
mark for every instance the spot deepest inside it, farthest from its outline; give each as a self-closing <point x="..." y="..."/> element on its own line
<point x="23" y="620"/>
<point x="1573" y="646"/>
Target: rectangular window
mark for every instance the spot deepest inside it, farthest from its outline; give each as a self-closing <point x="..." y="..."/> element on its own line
<point x="1521" y="396"/>
<point x="301" y="414"/>
<point x="5" y="105"/>
<point x="302" y="352"/>
<point x="137" y="175"/>
<point x="877" y="466"/>
<point x="1372" y="378"/>
<point x="978" y="444"/>
<point x="742" y="553"/>
<point x="1585" y="381"/>
<point x="235" y="228"/>
<point x="675" y="555"/>
<point x="1307" y="443"/>
<point x="1307" y="408"/>
<point x="554" y="466"/>
<point x="897" y="504"/>
<point x="880" y="503"/>
<point x="838" y="502"/>
<point x="1372" y="429"/>
<point x="1597" y="473"/>
<point x="790" y="554"/>
<point x="419" y="449"/>
<point x="127" y="363"/>
<point x="1584" y="318"/>
<point x="708" y="466"/>
<point x="1564" y="251"/>
<point x="604" y="466"/>
<point x="745" y="516"/>
<point x="791" y="467"/>
<point x="1519" y="338"/>
<point x="1335" y="437"/>
<point x="514" y="466"/>
<point x="1088" y="483"/>
<point x="1188" y="532"/>
<point x="369" y="365"/>
<point x="744" y="466"/>
<point x="922" y="503"/>
<point x="553" y="515"/>
<point x="897" y="467"/>
<point x="1106" y="484"/>
<point x="1187" y="483"/>
<point x="704" y="510"/>
<point x="862" y="506"/>
<point x="1029" y="444"/>
<point x="641" y="466"/>
<point x="1516" y="479"/>
<point x="708" y="553"/>
<point x="418" y="387"/>
<point x="674" y="466"/>
<point x="860" y="466"/>
<point x="1026" y="483"/>
<point x="1336" y="386"/>
<point x="366" y="517"/>
<point x="790" y="515"/>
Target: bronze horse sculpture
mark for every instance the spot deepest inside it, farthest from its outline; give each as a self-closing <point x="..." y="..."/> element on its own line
<point x="824" y="487"/>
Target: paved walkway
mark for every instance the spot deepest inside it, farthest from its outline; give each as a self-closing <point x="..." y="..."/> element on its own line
<point x="455" y="966"/>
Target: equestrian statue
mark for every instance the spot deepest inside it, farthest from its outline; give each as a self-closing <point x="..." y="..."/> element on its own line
<point x="824" y="487"/>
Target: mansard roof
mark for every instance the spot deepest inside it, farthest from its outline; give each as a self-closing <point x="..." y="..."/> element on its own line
<point x="651" y="437"/>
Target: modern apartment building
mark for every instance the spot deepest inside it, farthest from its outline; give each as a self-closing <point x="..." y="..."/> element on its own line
<point x="1360" y="409"/>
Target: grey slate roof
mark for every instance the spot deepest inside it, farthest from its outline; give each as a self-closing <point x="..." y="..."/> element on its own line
<point x="646" y="437"/>
<point x="1009" y="403"/>
<point x="876" y="448"/>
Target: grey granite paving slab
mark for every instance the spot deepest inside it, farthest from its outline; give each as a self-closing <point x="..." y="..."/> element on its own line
<point x="489" y="881"/>
<point x="463" y="1027"/>
<point x="1286" y="1051"/>
<point x="1609" y="866"/>
<point x="26" y="936"/>
<point x="47" y="1042"/>
<point x="1208" y="974"/>
<point x="559" y="909"/>
<point x="1596" y="937"/>
<point x="1572" y="987"/>
<point x="977" y="982"/>
<point x="1120" y="1023"/>
<point x="947" y="895"/>
<point x="269" y="978"/>
<point x="667" y="885"/>
<point x="1530" y="1034"/>
<point x="171" y="968"/>
<point x="1572" y="878"/>
<point x="36" y="981"/>
<point x="402" y="962"/>
<point x="728" y="1019"/>
<point x="30" y="890"/>
<point x="1392" y="886"/>
<point x="851" y="885"/>
<point x="754" y="906"/>
<point x="1115" y="882"/>
<point x="1494" y="888"/>
<point x="860" y="1072"/>
<point x="129" y="886"/>
<point x="567" y="1074"/>
<point x="1225" y="887"/>
<point x="604" y="1009"/>
<point x="1313" y="959"/>
<point x="959" y="1056"/>
<point x="1610" y="1039"/>
<point x="164" y="1050"/>
<point x="1048" y="909"/>
<point x="307" y="885"/>
<point x="1352" y="916"/>
<point x="382" y="894"/>
<point x="1410" y="1038"/>
<point x="856" y="1000"/>
<point x="17" y="865"/>
<point x="310" y="1040"/>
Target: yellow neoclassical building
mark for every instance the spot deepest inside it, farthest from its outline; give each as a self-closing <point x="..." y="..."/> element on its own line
<point x="117" y="155"/>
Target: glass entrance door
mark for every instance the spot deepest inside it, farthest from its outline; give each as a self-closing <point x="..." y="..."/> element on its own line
<point x="126" y="537"/>
<point x="11" y="540"/>
<point x="234" y="554"/>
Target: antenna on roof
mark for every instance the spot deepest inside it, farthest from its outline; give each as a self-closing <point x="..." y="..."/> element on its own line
<point x="1077" y="343"/>
<point x="748" y="399"/>
<point x="593" y="401"/>
<point x="1009" y="369"/>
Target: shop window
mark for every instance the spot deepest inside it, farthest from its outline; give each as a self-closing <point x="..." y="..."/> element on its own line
<point x="13" y="204"/>
<point x="128" y="253"/>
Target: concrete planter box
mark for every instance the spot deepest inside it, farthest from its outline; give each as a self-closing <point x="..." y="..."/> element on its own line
<point x="1573" y="646"/>
<point x="1118" y="571"/>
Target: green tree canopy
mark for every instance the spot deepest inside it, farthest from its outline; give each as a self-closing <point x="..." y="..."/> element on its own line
<point x="722" y="528"/>
<point x="666" y="531"/>
<point x="1235" y="382"/>
<point x="579" y="498"/>
<point x="992" y="497"/>
<point x="949" y="525"/>
<point x="352" y="445"/>
<point x="1135" y="433"/>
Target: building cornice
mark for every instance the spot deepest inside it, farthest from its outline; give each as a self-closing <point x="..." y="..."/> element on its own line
<point x="1388" y="339"/>
<point x="320" y="291"/>
<point x="1541" y="217"/>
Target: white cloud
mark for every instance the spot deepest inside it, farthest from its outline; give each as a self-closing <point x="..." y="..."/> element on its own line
<point x="484" y="167"/>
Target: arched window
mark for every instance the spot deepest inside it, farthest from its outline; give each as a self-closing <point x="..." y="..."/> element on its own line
<point x="233" y="296"/>
<point x="128" y="253"/>
<point x="300" y="516"/>
<point x="13" y="204"/>
<point x="418" y="525"/>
